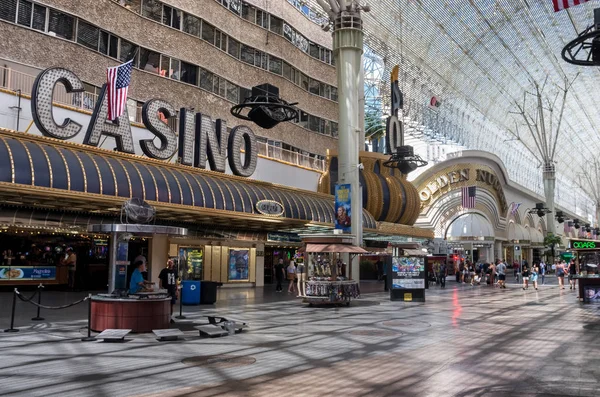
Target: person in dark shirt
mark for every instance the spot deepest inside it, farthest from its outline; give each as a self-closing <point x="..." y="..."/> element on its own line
<point x="279" y="270"/>
<point x="168" y="281"/>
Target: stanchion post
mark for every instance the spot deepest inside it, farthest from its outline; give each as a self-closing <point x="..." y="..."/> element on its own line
<point x="12" y="315"/>
<point x="181" y="316"/>
<point x="89" y="337"/>
<point x="38" y="318"/>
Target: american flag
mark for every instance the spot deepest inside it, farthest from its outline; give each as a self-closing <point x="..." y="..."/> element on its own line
<point x="468" y="196"/>
<point x="119" y="78"/>
<point x="560" y="5"/>
<point x="515" y="208"/>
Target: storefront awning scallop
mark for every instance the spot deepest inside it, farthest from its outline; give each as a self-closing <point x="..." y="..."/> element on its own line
<point x="44" y="172"/>
<point x="341" y="248"/>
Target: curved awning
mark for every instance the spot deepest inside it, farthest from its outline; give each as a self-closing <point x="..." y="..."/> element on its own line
<point x="518" y="234"/>
<point x="470" y="227"/>
<point x="41" y="168"/>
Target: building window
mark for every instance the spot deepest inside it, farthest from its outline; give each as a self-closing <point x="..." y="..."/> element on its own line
<point x="313" y="123"/>
<point x="287" y="71"/>
<point x="149" y="61"/>
<point x="326" y="127"/>
<point x="222" y="87"/>
<point x="39" y="18"/>
<point x="248" y="12"/>
<point x="25" y="9"/>
<point x="206" y="80"/>
<point x="189" y="73"/>
<point x="334" y="96"/>
<point x="109" y="44"/>
<point x="247" y="54"/>
<point x="152" y="9"/>
<point x="274" y="64"/>
<point x="175" y="72"/>
<point x="313" y="50"/>
<point x="87" y="35"/>
<point x="304" y="81"/>
<point x="133" y="5"/>
<point x="276" y="25"/>
<point x="303" y="119"/>
<point x="8" y="10"/>
<point x="208" y="33"/>
<point x="232" y="92"/>
<point x="61" y="24"/>
<point x="334" y="129"/>
<point x="128" y="52"/>
<point x="244" y="93"/>
<point x="262" y="19"/>
<point x="234" y="48"/>
<point x="191" y="25"/>
<point x="171" y="17"/>
<point x="235" y="6"/>
<point x="313" y="86"/>
<point x="261" y="60"/>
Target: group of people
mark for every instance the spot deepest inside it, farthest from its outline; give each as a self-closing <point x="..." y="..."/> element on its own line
<point x="495" y="273"/>
<point x="294" y="272"/>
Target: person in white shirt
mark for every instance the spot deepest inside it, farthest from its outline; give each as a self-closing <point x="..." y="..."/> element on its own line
<point x="501" y="271"/>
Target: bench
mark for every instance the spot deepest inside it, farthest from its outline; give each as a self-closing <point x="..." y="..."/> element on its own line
<point x="113" y="335"/>
<point x="211" y="330"/>
<point x="167" y="334"/>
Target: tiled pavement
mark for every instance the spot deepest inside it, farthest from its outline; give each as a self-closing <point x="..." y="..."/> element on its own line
<point x="465" y="341"/>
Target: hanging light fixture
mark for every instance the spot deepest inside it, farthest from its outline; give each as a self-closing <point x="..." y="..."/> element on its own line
<point x="539" y="210"/>
<point x="585" y="49"/>
<point x="266" y="109"/>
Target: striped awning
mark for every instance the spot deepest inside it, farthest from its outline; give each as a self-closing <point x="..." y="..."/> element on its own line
<point x="48" y="165"/>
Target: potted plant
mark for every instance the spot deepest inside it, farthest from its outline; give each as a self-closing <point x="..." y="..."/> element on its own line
<point x="551" y="241"/>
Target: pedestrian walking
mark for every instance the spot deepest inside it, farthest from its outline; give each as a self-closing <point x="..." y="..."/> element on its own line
<point x="443" y="274"/>
<point x="516" y="269"/>
<point x="291" y="275"/>
<point x="560" y="274"/>
<point x="279" y="270"/>
<point x="492" y="273"/>
<point x="535" y="270"/>
<point x="501" y="271"/>
<point x="525" y="274"/>
<point x="572" y="273"/>
<point x="543" y="271"/>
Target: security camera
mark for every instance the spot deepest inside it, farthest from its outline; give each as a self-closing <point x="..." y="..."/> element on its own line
<point x="360" y="166"/>
<point x="366" y="8"/>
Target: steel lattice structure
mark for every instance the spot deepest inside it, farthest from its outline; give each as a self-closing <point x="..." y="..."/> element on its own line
<point x="478" y="56"/>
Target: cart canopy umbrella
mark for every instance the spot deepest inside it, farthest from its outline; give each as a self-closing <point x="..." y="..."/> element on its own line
<point x="312" y="247"/>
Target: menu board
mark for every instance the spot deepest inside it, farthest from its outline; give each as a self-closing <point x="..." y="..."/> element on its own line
<point x="27" y="273"/>
<point x="408" y="273"/>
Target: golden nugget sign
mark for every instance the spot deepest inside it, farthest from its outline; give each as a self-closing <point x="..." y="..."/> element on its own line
<point x="199" y="139"/>
<point x="446" y="181"/>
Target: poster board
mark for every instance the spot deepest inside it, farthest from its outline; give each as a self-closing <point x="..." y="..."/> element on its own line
<point x="406" y="279"/>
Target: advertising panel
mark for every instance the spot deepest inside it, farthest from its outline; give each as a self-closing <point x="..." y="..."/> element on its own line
<point x="238" y="265"/>
<point x="343" y="207"/>
<point x="27" y="273"/>
<point x="407" y="279"/>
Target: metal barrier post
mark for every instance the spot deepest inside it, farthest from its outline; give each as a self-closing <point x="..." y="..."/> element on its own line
<point x="12" y="315"/>
<point x="181" y="316"/>
<point x="89" y="337"/>
<point x="38" y="318"/>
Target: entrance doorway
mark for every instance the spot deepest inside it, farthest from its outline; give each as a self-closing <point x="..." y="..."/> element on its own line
<point x="272" y="256"/>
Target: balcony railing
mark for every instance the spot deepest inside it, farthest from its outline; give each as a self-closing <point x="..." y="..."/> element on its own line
<point x="15" y="80"/>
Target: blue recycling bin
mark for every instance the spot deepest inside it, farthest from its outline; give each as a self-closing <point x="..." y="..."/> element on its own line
<point x="190" y="292"/>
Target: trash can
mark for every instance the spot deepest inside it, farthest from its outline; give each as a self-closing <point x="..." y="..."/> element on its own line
<point x="208" y="292"/>
<point x="190" y="292"/>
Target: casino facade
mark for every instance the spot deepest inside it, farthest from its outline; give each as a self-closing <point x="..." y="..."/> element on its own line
<point x="63" y="168"/>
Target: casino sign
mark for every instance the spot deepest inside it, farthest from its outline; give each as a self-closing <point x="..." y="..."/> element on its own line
<point x="199" y="139"/>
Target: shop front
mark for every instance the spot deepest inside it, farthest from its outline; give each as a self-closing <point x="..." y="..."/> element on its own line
<point x="586" y="254"/>
<point x="497" y="224"/>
